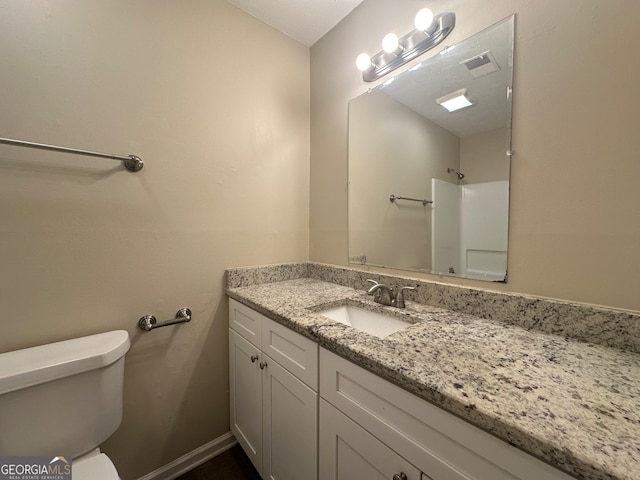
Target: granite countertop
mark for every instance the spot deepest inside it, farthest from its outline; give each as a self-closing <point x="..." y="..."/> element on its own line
<point x="575" y="405"/>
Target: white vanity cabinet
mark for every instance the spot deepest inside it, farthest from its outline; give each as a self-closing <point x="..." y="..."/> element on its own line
<point x="273" y="392"/>
<point x="362" y="426"/>
<point x="440" y="445"/>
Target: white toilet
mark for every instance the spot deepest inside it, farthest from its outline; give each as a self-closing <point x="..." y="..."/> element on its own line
<point x="64" y="399"/>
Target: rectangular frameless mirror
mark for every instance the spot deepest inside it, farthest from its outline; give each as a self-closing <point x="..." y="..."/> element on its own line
<point x="429" y="187"/>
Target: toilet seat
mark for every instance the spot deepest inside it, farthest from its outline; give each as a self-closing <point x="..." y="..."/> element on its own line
<point x="93" y="466"/>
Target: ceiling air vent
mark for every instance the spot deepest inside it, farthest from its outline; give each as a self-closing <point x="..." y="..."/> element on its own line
<point x="481" y="65"/>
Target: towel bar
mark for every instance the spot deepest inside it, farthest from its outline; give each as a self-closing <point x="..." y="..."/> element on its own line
<point x="133" y="163"/>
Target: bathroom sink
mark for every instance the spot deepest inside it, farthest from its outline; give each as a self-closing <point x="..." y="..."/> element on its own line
<point x="374" y="323"/>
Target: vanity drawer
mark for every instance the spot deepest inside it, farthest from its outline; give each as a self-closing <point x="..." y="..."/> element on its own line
<point x="246" y="322"/>
<point x="438" y="443"/>
<point x="296" y="353"/>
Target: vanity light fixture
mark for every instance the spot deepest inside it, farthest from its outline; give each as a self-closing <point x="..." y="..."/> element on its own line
<point x="430" y="31"/>
<point x="455" y="100"/>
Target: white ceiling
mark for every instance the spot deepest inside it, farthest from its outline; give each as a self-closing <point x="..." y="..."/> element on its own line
<point x="303" y="20"/>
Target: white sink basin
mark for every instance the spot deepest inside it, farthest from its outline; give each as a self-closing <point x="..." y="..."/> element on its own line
<point x="374" y="323"/>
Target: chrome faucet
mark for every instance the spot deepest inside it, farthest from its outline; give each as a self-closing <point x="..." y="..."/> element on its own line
<point x="381" y="293"/>
<point x="386" y="295"/>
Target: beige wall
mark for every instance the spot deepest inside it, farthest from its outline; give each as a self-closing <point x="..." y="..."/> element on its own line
<point x="483" y="156"/>
<point x="574" y="217"/>
<point x="217" y="104"/>
<point x="393" y="149"/>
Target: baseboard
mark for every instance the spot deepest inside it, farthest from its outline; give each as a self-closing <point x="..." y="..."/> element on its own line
<point x="191" y="460"/>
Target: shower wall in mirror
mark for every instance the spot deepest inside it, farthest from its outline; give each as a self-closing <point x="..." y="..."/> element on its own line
<point x="404" y="142"/>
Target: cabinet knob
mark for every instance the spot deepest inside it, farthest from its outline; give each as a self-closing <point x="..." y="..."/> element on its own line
<point x="262" y="365"/>
<point x="399" y="476"/>
<point x="254" y="358"/>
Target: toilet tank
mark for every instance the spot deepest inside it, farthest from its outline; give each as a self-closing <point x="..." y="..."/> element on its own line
<point x="63" y="398"/>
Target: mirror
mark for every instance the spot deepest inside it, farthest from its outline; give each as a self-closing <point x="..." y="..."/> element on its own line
<point x="404" y="143"/>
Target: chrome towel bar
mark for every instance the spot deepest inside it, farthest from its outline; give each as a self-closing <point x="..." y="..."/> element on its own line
<point x="393" y="198"/>
<point x="149" y="322"/>
<point x="133" y="163"/>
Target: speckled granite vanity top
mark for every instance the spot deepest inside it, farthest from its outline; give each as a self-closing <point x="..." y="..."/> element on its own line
<point x="573" y="404"/>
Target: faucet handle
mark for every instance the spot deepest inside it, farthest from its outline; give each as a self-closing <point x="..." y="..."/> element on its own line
<point x="400" y="296"/>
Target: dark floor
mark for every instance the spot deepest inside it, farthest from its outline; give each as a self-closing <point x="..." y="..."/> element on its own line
<point x="230" y="465"/>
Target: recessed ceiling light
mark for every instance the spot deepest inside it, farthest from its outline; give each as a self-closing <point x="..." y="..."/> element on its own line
<point x="455" y="100"/>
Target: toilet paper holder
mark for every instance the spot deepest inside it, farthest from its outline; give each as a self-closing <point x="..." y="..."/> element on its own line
<point x="149" y="322"/>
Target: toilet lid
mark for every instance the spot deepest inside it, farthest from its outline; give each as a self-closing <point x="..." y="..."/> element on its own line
<point x="97" y="467"/>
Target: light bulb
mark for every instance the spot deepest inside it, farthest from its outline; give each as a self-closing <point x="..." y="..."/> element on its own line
<point x="390" y="43"/>
<point x="363" y="62"/>
<point x="424" y="19"/>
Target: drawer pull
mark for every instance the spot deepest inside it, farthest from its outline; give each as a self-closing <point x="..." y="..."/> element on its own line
<point x="262" y="365"/>
<point x="254" y="358"/>
<point x="400" y="476"/>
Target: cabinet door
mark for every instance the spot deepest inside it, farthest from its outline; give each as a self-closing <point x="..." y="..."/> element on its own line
<point x="245" y="385"/>
<point x="349" y="452"/>
<point x="290" y="440"/>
